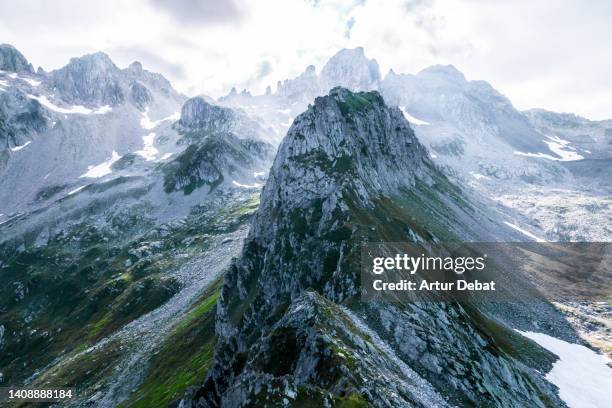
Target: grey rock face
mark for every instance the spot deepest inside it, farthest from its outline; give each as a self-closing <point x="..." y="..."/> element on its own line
<point x="350" y="68"/>
<point x="91" y="79"/>
<point x="209" y="161"/>
<point x="13" y="61"/>
<point x="349" y="171"/>
<point x="196" y="113"/>
<point x="140" y="95"/>
<point x="592" y="139"/>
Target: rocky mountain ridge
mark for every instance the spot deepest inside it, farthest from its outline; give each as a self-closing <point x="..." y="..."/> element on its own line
<point x="290" y="325"/>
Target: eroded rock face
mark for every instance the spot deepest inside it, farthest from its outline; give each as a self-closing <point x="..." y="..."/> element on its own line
<point x="92" y="79"/>
<point x="140" y="95"/>
<point x="351" y="69"/>
<point x="291" y="328"/>
<point x="12" y="60"/>
<point x="197" y="113"/>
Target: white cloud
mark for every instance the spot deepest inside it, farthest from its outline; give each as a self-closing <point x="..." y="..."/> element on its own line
<point x="551" y="54"/>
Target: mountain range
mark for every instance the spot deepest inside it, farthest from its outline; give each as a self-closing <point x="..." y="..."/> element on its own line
<point x="128" y="211"/>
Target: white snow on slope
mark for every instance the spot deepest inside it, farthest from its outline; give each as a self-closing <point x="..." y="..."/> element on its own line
<point x="149" y="124"/>
<point x="149" y="152"/>
<point x="412" y="119"/>
<point x="478" y="176"/>
<point x="102" y="110"/>
<point x="76" y="190"/>
<point x="18" y="148"/>
<point x="102" y="169"/>
<point x="3" y="83"/>
<point x="259" y="174"/>
<point x="237" y="184"/>
<point x="72" y="110"/>
<point x="583" y="378"/>
<point x="30" y="81"/>
<point x="527" y="233"/>
<point x="557" y="145"/>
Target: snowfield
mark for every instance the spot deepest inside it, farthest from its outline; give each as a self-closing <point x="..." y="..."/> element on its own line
<point x="75" y="109"/>
<point x="18" y="148"/>
<point x="522" y="231"/>
<point x="583" y="378"/>
<point x="102" y="169"/>
<point x="412" y="119"/>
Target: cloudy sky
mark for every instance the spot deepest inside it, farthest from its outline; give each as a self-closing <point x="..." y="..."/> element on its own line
<point x="554" y="54"/>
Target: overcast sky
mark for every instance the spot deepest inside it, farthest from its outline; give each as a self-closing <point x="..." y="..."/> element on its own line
<point x="554" y="54"/>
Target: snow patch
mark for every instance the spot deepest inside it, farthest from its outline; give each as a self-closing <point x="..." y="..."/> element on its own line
<point x="103" y="110"/>
<point x="582" y="375"/>
<point x="18" y="148"/>
<point x="527" y="233"/>
<point x="149" y="124"/>
<point x="166" y="156"/>
<point x="237" y="184"/>
<point x="102" y="169"/>
<point x="75" y="109"/>
<point x="259" y="174"/>
<point x="148" y="151"/>
<point x="412" y="119"/>
<point x="76" y="190"/>
<point x="559" y="147"/>
<point x="478" y="176"/>
<point x="30" y="81"/>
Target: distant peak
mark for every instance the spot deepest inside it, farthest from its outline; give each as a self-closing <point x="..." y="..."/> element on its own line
<point x="352" y="69"/>
<point x="356" y="52"/>
<point x="135" y="67"/>
<point x="12" y="60"/>
<point x="198" y="113"/>
<point x="310" y="70"/>
<point x="447" y="71"/>
<point x="97" y="61"/>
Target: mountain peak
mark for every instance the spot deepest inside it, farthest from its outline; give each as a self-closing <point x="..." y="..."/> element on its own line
<point x="13" y="61"/>
<point x="351" y="69"/>
<point x="443" y="71"/>
<point x="98" y="60"/>
<point x="198" y="113"/>
<point x="135" y="67"/>
<point x="90" y="79"/>
<point x="343" y="139"/>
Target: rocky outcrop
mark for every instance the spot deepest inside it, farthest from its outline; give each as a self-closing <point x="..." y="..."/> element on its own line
<point x="291" y="327"/>
<point x="208" y="162"/>
<point x="92" y="79"/>
<point x="12" y="60"/>
<point x="140" y="95"/>
<point x="197" y="113"/>
<point x="351" y="69"/>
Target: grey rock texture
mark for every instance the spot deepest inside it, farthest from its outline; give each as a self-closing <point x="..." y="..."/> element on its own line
<point x="92" y="79"/>
<point x="291" y="328"/>
<point x="197" y="112"/>
<point x="12" y="60"/>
